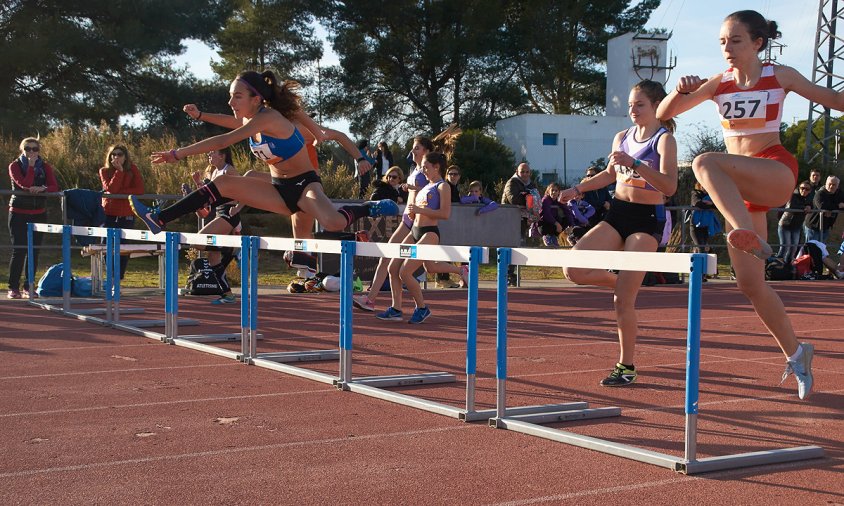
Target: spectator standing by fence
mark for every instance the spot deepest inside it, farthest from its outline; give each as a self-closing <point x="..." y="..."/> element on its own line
<point x="515" y="193"/>
<point x="120" y="177"/>
<point x="599" y="199"/>
<point x="29" y="173"/>
<point x="703" y="222"/>
<point x="818" y="224"/>
<point x="791" y="221"/>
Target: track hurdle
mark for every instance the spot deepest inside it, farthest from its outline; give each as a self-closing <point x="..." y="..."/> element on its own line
<point x="171" y="283"/>
<point x="281" y="361"/>
<point x="65" y="305"/>
<point x="696" y="265"/>
<point x="374" y="386"/>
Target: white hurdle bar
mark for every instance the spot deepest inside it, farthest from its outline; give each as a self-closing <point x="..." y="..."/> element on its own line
<point x="374" y="386"/>
<point x="696" y="265"/>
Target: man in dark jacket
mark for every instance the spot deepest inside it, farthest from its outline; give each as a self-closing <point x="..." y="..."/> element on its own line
<point x="515" y="193"/>
<point x="599" y="199"/>
<point x="817" y="225"/>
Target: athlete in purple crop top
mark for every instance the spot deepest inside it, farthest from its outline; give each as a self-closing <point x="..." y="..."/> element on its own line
<point x="644" y="165"/>
<point x="429" y="205"/>
<point x="262" y="108"/>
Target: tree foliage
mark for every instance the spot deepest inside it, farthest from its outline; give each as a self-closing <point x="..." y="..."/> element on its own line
<point x="558" y="48"/>
<point x="409" y="66"/>
<point x="412" y="65"/>
<point x="268" y="34"/>
<point x="84" y="61"/>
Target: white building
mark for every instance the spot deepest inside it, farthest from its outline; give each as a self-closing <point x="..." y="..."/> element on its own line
<point x="562" y="146"/>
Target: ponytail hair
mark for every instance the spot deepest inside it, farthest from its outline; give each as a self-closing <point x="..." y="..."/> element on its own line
<point x="437" y="159"/>
<point x="655" y="93"/>
<point x="757" y="26"/>
<point x="283" y="97"/>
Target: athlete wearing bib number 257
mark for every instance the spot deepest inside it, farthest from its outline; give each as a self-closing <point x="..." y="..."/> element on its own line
<point x="756" y="173"/>
<point x="262" y="108"/>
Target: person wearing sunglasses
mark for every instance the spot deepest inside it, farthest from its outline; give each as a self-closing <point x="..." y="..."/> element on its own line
<point x="791" y="221"/>
<point x="120" y="177"/>
<point x="389" y="186"/>
<point x="29" y="173"/>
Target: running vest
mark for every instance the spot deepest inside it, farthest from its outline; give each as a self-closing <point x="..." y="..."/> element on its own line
<point x="752" y="111"/>
<point x="644" y="151"/>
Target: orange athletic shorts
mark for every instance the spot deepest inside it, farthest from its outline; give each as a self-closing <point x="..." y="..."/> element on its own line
<point x="780" y="154"/>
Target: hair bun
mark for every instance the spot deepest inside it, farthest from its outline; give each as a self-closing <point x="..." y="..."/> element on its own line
<point x="773" y="31"/>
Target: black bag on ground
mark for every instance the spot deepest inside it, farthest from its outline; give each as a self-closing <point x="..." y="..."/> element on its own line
<point x="776" y="269"/>
<point x="202" y="280"/>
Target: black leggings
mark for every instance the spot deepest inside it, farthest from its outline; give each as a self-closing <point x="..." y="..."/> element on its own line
<point x="18" y="230"/>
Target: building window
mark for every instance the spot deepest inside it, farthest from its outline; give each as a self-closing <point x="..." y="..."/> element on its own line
<point x="549" y="139"/>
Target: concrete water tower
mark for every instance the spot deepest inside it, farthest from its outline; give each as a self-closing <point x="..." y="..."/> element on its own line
<point x="631" y="58"/>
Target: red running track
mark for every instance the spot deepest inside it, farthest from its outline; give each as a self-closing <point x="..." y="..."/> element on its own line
<point x="94" y="415"/>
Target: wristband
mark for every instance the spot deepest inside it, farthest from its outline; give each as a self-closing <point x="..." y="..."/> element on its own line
<point x="361" y="159"/>
<point x="173" y="152"/>
<point x="199" y="116"/>
<point x="636" y="163"/>
<point x="682" y="92"/>
<point x="579" y="194"/>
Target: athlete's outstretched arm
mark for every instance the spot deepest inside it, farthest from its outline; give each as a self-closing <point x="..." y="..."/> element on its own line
<point x="689" y="92"/>
<point x="223" y="120"/>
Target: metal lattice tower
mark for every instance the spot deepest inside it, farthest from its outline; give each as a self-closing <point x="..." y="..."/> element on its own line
<point x="823" y="148"/>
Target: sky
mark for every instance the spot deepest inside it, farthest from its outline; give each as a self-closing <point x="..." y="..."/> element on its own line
<point x="695" y="25"/>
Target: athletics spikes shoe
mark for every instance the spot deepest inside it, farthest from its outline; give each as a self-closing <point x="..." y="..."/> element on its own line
<point x="620" y="376"/>
<point x="420" y="314"/>
<point x="362" y="301"/>
<point x="384" y="207"/>
<point x="749" y="242"/>
<point x="802" y="369"/>
<point x="147" y="215"/>
<point x="391" y="314"/>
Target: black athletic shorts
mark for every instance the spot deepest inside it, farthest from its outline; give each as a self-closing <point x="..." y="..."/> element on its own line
<point x="628" y="218"/>
<point x="418" y="232"/>
<point x="291" y="189"/>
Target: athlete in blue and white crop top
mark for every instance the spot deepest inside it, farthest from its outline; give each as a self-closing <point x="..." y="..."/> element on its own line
<point x="272" y="150"/>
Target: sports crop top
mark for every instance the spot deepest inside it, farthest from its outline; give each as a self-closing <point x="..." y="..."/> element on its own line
<point x="429" y="196"/>
<point x="416" y="178"/>
<point x="644" y="151"/>
<point x="752" y="111"/>
<point x="272" y="150"/>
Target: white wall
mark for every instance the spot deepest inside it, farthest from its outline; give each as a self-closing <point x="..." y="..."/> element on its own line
<point x="580" y="140"/>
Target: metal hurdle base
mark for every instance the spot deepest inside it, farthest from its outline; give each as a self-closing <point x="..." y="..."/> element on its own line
<point x="143" y="324"/>
<point x="212" y="338"/>
<point x="286" y="357"/>
<point x="292" y="370"/>
<point x="680" y="465"/>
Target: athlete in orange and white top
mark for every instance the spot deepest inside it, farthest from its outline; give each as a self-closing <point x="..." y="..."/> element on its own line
<point x="756" y="168"/>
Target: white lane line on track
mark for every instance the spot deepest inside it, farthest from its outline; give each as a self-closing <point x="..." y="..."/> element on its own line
<point x="731" y="474"/>
<point x="165" y="403"/>
<point x="71" y="348"/>
<point x="112" y="371"/>
<point x="229" y="451"/>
